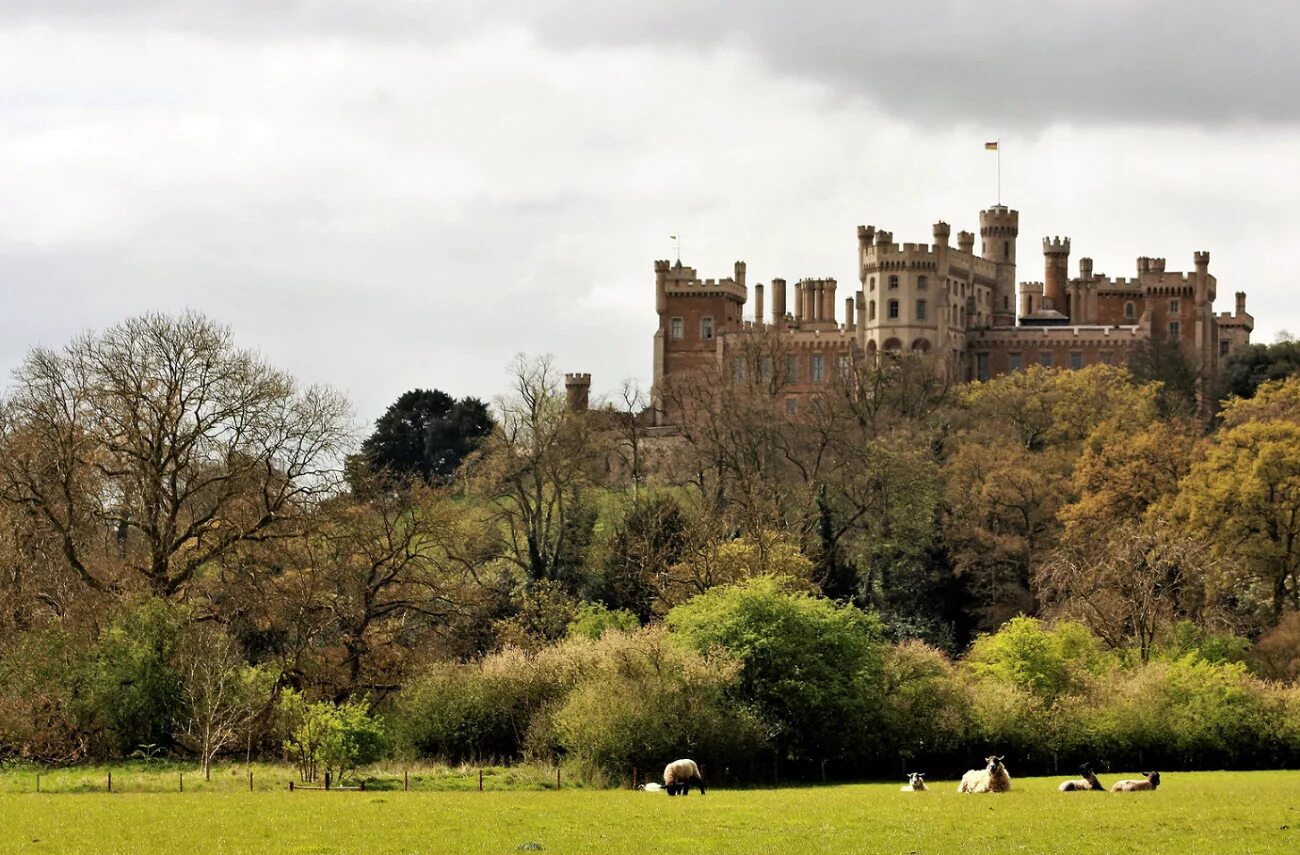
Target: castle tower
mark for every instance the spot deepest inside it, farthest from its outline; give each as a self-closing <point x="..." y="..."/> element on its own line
<point x="999" y="227"/>
<point x="1056" y="273"/>
<point x="577" y="392"/>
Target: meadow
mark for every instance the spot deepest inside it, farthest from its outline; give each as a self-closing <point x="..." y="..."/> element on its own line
<point x="1213" y="812"/>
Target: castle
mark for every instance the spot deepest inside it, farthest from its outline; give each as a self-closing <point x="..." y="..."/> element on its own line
<point x="960" y="308"/>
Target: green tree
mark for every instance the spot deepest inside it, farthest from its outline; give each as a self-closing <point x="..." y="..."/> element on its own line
<point x="425" y="434"/>
<point x="811" y="668"/>
<point x="1251" y="366"/>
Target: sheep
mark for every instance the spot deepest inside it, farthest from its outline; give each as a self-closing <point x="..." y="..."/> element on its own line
<point x="680" y="774"/>
<point x="1148" y="781"/>
<point x="915" y="783"/>
<point x="993" y="778"/>
<point x="1088" y="782"/>
<point x="651" y="787"/>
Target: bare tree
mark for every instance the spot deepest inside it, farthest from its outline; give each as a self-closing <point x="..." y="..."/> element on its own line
<point x="162" y="441"/>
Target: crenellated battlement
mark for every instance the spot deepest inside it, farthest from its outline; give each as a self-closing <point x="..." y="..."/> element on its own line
<point x="679" y="280"/>
<point x="1056" y="246"/>
<point x="577" y="379"/>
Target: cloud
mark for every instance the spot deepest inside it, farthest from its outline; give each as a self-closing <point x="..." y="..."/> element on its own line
<point x="1010" y="63"/>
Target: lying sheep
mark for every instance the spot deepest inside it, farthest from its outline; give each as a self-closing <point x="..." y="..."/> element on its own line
<point x="651" y="787"/>
<point x="1088" y="782"/>
<point x="915" y="783"/>
<point x="1148" y="781"/>
<point x="993" y="778"/>
<point x="680" y="774"/>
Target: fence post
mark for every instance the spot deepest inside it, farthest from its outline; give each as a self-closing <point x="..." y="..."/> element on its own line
<point x="327" y="780"/>
<point x="406" y="780"/>
<point x="291" y="786"/>
<point x="634" y="777"/>
<point x="250" y="780"/>
<point x="182" y="777"/>
<point x="38" y="783"/>
<point x="480" y="780"/>
<point x="557" y="777"/>
<point x="362" y="786"/>
<point x="110" y="782"/>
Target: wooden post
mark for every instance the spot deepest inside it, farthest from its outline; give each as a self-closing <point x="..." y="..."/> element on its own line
<point x="327" y="780"/>
<point x="406" y="780"/>
<point x="38" y="783"/>
<point x="110" y="782"/>
<point x="291" y="786"/>
<point x="634" y="777"/>
<point x="182" y="777"/>
<point x="362" y="786"/>
<point x="557" y="777"/>
<point x="480" y="780"/>
<point x="823" y="770"/>
<point x="250" y="780"/>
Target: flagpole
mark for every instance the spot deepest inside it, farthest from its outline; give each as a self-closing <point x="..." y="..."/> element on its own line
<point x="999" y="171"/>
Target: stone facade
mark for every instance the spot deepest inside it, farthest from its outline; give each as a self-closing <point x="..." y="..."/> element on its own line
<point x="962" y="308"/>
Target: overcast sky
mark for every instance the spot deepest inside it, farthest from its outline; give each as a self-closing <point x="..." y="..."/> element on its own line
<point x="385" y="194"/>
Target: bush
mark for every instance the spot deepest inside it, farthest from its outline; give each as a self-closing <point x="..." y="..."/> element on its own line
<point x="331" y="738"/>
<point x="593" y="620"/>
<point x="811" y="668"/>
<point x="926" y="707"/>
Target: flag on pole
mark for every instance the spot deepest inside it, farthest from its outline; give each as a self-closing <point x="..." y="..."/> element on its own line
<point x="990" y="146"/>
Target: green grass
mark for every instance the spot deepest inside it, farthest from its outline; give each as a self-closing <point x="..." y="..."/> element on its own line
<point x="1211" y="812"/>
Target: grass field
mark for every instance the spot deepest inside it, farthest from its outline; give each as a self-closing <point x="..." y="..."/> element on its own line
<point x="1194" y="812"/>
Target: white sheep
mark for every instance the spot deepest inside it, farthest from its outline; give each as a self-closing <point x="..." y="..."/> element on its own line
<point x="680" y="774"/>
<point x="1148" y="781"/>
<point x="651" y="787"/>
<point x="1088" y="783"/>
<point x="993" y="778"/>
<point x="915" y="783"/>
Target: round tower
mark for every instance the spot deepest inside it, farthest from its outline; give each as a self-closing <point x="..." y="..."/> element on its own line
<point x="999" y="227"/>
<point x="1056" y="273"/>
<point x="577" y="391"/>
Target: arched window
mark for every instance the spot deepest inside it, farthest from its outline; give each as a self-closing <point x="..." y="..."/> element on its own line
<point x="921" y="344"/>
<point x="871" y="310"/>
<point x="1130" y="311"/>
<point x="893" y="344"/>
<point x="871" y="284"/>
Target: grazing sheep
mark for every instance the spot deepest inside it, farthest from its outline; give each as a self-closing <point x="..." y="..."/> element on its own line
<point x="1148" y="781"/>
<point x="1088" y="782"/>
<point x="679" y="775"/>
<point x="915" y="783"/>
<point x="993" y="778"/>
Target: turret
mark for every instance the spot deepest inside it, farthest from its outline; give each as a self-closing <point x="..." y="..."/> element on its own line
<point x="758" y="303"/>
<point x="1085" y="268"/>
<point x="1056" y="272"/>
<point x="966" y="242"/>
<point x="999" y="227"/>
<point x="740" y="273"/>
<point x="850" y="322"/>
<point x="1203" y="292"/>
<point x="1241" y="303"/>
<point x="577" y="392"/>
<point x="941" y="232"/>
<point x="778" y="303"/>
<point x="661" y="286"/>
<point x="866" y="235"/>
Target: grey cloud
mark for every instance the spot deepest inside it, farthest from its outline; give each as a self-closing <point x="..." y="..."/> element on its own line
<point x="997" y="62"/>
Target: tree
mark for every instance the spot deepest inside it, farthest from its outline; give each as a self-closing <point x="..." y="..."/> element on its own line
<point x="811" y="667"/>
<point x="535" y="468"/>
<point x="1162" y="359"/>
<point x="332" y="738"/>
<point x="426" y="434"/>
<point x="222" y="695"/>
<point x="1247" y="368"/>
<point x="161" y="445"/>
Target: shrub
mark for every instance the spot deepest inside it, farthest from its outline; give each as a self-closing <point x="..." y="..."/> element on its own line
<point x="594" y="619"/>
<point x="331" y="738"/>
<point x="925" y="708"/>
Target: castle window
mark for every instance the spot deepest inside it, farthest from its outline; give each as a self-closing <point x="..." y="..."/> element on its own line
<point x="792" y="369"/>
<point x="1076" y="361"/>
<point x="1006" y="249"/>
<point x="1015" y="361"/>
<point x="1006" y="303"/>
<point x="871" y="310"/>
<point x="1174" y="329"/>
<point x="1045" y="360"/>
<point x="843" y="363"/>
<point x="893" y="282"/>
<point x="676" y="329"/>
<point x="1029" y="310"/>
<point x="1173" y="307"/>
<point x="818" y="365"/>
<point x="738" y="369"/>
<point x="871" y="284"/>
<point x="922" y="282"/>
<point x="765" y="366"/>
<point x="893" y="309"/>
<point x="791" y="406"/>
<point x="1224" y="347"/>
<point x="981" y="366"/>
<point x="1130" y="311"/>
<point x="920" y="310"/>
<point x="706" y="328"/>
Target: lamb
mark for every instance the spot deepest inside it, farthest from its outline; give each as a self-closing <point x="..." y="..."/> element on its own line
<point x="1088" y="782"/>
<point x="651" y="787"/>
<point x="915" y="783"/>
<point x="680" y="774"/>
<point x="1148" y="781"/>
<point x="993" y="778"/>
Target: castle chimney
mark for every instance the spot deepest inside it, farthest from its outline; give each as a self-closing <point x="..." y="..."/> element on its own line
<point x="828" y="303"/>
<point x="758" y="303"/>
<point x="1056" y="272"/>
<point x="577" y="392"/>
<point x="966" y="242"/>
<point x="1085" y="268"/>
<point x="798" y="302"/>
<point x="849" y="322"/>
<point x="778" y="303"/>
<point x="1241" y="303"/>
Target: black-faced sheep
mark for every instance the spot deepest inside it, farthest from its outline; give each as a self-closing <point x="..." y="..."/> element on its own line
<point x="915" y="783"/>
<point x="1087" y="783"/>
<point x="1148" y="781"/>
<point x="993" y="778"/>
<point x="679" y="775"/>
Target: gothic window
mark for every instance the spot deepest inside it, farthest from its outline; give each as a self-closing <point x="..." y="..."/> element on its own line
<point x="817" y="364"/>
<point x="871" y="284"/>
<point x="706" y="328"/>
<point x="676" y="329"/>
<point x="871" y="310"/>
<point x="893" y="309"/>
<point x="1130" y="311"/>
